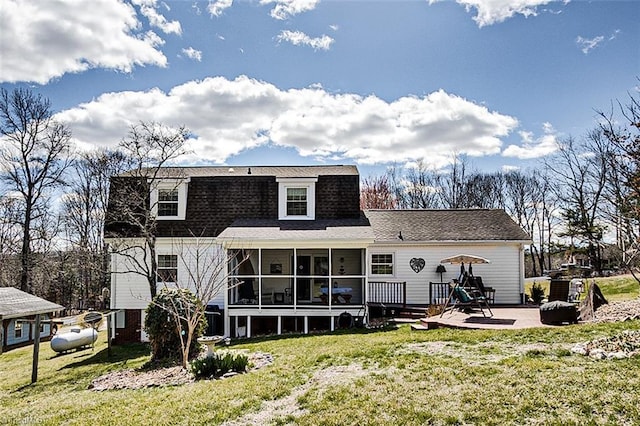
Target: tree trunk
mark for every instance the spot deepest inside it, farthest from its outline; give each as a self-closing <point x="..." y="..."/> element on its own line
<point x="25" y="254"/>
<point x="152" y="277"/>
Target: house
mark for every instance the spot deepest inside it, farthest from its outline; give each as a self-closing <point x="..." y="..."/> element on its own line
<point x="414" y="242"/>
<point x="299" y="250"/>
<point x="17" y="313"/>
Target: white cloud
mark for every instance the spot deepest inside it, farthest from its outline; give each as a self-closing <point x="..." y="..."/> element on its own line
<point x="587" y="44"/>
<point x="614" y="34"/>
<point x="284" y="9"/>
<point x="230" y="116"/>
<point x="298" y="38"/>
<point x="42" y="40"/>
<point x="509" y="168"/>
<point x="149" y="9"/>
<point x="216" y="8"/>
<point x="192" y="53"/>
<point x="489" y="12"/>
<point x="534" y="148"/>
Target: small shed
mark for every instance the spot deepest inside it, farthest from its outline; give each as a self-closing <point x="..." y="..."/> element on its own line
<point x="18" y="309"/>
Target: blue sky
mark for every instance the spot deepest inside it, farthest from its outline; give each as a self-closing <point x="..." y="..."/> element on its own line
<point x="316" y="82"/>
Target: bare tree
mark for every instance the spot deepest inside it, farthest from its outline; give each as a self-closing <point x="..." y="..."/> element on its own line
<point x="622" y="131"/>
<point x="580" y="172"/>
<point x="9" y="225"/>
<point x="453" y="185"/>
<point x="203" y="270"/>
<point x="529" y="201"/>
<point x="33" y="160"/>
<point x="9" y="240"/>
<point x="150" y="146"/>
<point x="376" y="193"/>
<point x="421" y="191"/>
<point x="83" y="211"/>
<point x="485" y="190"/>
<point x="394" y="179"/>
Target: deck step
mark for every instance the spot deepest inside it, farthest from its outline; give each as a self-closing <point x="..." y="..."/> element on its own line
<point x="425" y="325"/>
<point x="411" y="314"/>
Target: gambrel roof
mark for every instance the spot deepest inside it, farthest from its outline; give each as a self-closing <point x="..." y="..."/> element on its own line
<point x="15" y="303"/>
<point x="444" y="225"/>
<point x="218" y="196"/>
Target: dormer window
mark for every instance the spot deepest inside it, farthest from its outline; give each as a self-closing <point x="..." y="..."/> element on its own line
<point x="296" y="201"/>
<point x="168" y="202"/>
<point x="296" y="198"/>
<point x="169" y="199"/>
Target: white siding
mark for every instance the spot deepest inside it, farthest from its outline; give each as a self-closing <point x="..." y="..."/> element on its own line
<point x="504" y="272"/>
<point x="130" y="290"/>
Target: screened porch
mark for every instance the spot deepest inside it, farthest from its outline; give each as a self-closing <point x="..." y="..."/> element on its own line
<point x="297" y="278"/>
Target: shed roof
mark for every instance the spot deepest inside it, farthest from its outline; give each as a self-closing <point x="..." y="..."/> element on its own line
<point x="15" y="303"/>
<point x="444" y="225"/>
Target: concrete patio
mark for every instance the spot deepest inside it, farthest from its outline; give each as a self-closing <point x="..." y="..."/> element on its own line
<point x="504" y="318"/>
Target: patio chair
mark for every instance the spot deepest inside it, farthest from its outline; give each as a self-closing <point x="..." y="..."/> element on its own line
<point x="487" y="292"/>
<point x="462" y="299"/>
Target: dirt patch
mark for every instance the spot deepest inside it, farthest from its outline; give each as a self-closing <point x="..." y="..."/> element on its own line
<point x="133" y="379"/>
<point x="170" y="376"/>
<point x="288" y="407"/>
<point x="479" y="354"/>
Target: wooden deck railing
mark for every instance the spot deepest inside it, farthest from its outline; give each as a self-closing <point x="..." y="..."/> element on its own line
<point x="387" y="292"/>
<point x="438" y="293"/>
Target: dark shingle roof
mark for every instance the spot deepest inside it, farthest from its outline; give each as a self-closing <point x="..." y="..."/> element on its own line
<point x="215" y="201"/>
<point x="444" y="225"/>
<point x="277" y="171"/>
<point x="15" y="303"/>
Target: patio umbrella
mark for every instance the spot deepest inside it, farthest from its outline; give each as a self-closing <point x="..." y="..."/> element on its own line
<point x="465" y="258"/>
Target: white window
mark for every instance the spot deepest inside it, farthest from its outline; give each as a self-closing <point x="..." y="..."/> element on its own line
<point x="297" y="202"/>
<point x="167" y="268"/>
<point x="296" y="198"/>
<point x="382" y="264"/>
<point x="17" y="328"/>
<point x="169" y="199"/>
<point x="168" y="202"/>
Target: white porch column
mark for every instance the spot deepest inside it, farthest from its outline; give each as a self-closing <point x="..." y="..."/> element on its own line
<point x="248" y="326"/>
<point x="306" y="324"/>
<point x="279" y="325"/>
<point x="227" y="323"/>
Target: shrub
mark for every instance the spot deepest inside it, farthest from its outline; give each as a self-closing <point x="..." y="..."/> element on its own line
<point x="160" y="324"/>
<point x="218" y="364"/>
<point x="537" y="293"/>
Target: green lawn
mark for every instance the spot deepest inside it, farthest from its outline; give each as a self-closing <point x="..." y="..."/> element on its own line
<point x="621" y="287"/>
<point x="389" y="377"/>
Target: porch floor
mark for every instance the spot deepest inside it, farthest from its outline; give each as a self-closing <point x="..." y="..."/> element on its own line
<point x="504" y="318"/>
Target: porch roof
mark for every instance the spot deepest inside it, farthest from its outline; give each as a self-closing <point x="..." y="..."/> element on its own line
<point x="15" y="303"/>
<point x="339" y="231"/>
